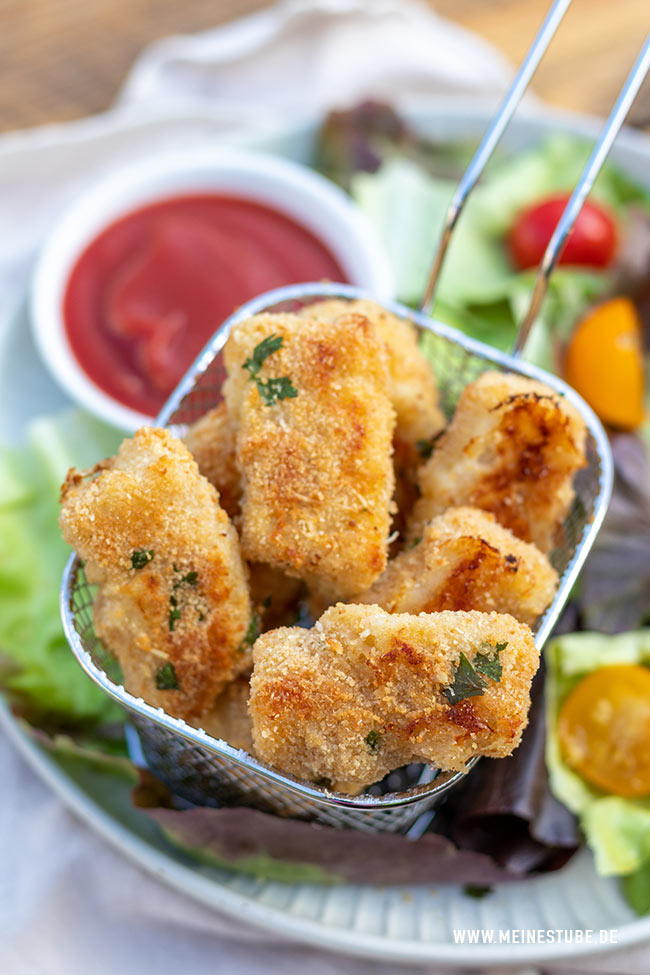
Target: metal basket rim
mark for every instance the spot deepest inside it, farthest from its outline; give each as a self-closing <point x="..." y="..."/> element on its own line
<point x="503" y="360"/>
<point x="240" y="757"/>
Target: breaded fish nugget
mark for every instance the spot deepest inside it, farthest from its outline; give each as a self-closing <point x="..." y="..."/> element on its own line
<point x="364" y="692"/>
<point x="412" y="385"/>
<point x="466" y="560"/>
<point x="512" y="448"/>
<point x="211" y="441"/>
<point x="316" y="466"/>
<point x="412" y="389"/>
<point x="172" y="602"/>
<point x="230" y="719"/>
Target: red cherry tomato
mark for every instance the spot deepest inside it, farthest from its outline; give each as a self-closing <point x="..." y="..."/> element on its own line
<point x="591" y="243"/>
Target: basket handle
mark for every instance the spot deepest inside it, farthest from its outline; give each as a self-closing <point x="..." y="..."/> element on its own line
<point x="570" y="214"/>
<point x="490" y="140"/>
<point x="488" y="144"/>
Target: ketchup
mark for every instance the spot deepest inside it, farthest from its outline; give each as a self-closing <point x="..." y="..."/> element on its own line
<point x="147" y="294"/>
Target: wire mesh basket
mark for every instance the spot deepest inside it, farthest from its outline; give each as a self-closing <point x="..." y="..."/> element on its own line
<point x="207" y="771"/>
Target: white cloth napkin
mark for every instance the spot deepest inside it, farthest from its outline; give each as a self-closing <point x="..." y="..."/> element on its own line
<point x="69" y="904"/>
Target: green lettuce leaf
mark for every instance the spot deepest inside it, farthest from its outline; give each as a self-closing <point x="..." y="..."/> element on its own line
<point x="480" y="292"/>
<point x="616" y="829"/>
<point x="636" y="888"/>
<point x="37" y="669"/>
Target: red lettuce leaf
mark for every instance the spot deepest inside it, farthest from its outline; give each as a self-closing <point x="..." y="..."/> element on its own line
<point x="501" y="825"/>
<point x="505" y="808"/>
<point x="615" y="582"/>
<point x="282" y="849"/>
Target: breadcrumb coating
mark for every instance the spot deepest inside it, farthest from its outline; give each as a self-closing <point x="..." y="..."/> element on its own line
<point x="172" y="602"/>
<point x="361" y="693"/>
<point x="316" y="468"/>
<point x="466" y="560"/>
<point x="512" y="448"/>
<point x="229" y="720"/>
<point x="412" y="384"/>
<point x="211" y="441"/>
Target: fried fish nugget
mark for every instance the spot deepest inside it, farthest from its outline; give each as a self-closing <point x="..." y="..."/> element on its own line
<point x="211" y="441"/>
<point x="229" y="719"/>
<point x="466" y="560"/>
<point x="172" y="602"/>
<point x="364" y="692"/>
<point x="316" y="465"/>
<point x="512" y="448"/>
<point x="412" y="385"/>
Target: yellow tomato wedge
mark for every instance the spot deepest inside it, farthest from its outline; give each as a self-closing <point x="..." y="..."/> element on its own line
<point x="604" y="729"/>
<point x="604" y="363"/>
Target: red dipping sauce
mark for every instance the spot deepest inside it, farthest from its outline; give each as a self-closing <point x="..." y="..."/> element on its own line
<point x="147" y="294"/>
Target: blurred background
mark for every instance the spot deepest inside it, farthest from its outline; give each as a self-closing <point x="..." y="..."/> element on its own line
<point x="65" y="59"/>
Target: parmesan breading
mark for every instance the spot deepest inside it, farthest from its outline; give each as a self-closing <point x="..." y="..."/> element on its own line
<point x="211" y="441"/>
<point x="412" y="385"/>
<point x="363" y="692"/>
<point x="316" y="466"/>
<point x="466" y="560"/>
<point x="172" y="600"/>
<point x="512" y="448"/>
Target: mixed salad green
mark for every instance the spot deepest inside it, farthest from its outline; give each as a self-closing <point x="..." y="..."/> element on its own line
<point x="617" y="828"/>
<point x="37" y="671"/>
<point x="403" y="184"/>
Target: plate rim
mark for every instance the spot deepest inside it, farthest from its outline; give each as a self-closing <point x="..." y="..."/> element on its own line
<point x="186" y="880"/>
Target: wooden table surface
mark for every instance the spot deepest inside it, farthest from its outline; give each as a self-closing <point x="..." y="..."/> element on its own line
<point x="62" y="59"/>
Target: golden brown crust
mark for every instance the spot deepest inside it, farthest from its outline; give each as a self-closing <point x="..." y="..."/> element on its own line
<point x="466" y="560"/>
<point x="211" y="441"/>
<point x="188" y="605"/>
<point x="316" y="469"/>
<point x="412" y="385"/>
<point x="512" y="448"/>
<point x="361" y="693"/>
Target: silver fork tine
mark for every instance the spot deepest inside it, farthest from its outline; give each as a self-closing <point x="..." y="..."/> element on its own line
<point x="598" y="156"/>
<point x="490" y="139"/>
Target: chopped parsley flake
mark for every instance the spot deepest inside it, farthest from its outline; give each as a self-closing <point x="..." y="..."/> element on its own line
<point x="174" y="612"/>
<point x="489" y="667"/>
<point x="476" y="890"/>
<point x="166" y="679"/>
<point x="252" y="632"/>
<point x="468" y="681"/>
<point x="190" y="578"/>
<point x="261" y="352"/>
<point x="372" y="740"/>
<point x="426" y="447"/>
<point x="274" y="390"/>
<point x="270" y="390"/>
<point x="141" y="557"/>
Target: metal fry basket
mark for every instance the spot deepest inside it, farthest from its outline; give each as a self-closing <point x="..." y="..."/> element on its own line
<point x="207" y="771"/>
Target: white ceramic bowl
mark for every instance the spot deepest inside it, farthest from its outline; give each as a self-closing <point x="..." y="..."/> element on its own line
<point x="309" y="199"/>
